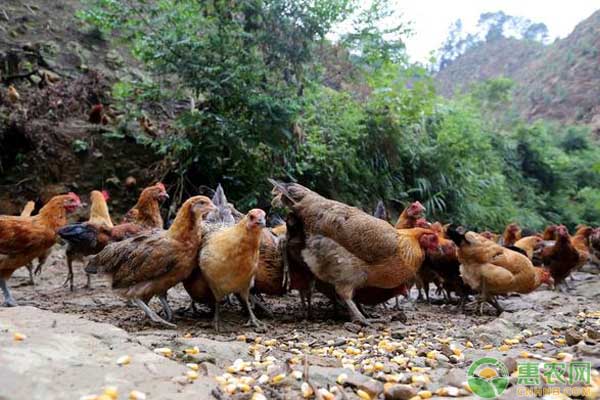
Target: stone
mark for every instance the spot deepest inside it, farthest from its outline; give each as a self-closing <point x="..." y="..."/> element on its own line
<point x="395" y="391"/>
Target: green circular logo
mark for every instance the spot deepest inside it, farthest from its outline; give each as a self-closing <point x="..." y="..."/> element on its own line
<point x="488" y="377"/>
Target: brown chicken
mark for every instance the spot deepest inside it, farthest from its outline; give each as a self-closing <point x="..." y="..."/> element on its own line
<point x="23" y="239"/>
<point x="563" y="257"/>
<point x="550" y="232"/>
<point x="229" y="261"/>
<point x="530" y="244"/>
<point x="350" y="249"/>
<point x="90" y="237"/>
<point x="146" y="211"/>
<point x="151" y="263"/>
<point x="511" y="234"/>
<point x="410" y="215"/>
<point x="26" y="212"/>
<point x="595" y="246"/>
<point x="491" y="269"/>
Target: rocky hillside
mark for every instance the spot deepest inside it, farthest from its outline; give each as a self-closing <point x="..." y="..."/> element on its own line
<point x="560" y="81"/>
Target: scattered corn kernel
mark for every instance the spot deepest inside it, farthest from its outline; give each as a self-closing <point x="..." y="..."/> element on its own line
<point x="561" y="341"/>
<point x="504" y="347"/>
<point x="487" y="347"/>
<point x="277" y="378"/>
<point x="123" y="360"/>
<point x="241" y="338"/>
<point x="342" y="378"/>
<point x="244" y="388"/>
<point x="192" y="350"/>
<point x="19" y="336"/>
<point x="524" y="354"/>
<point x="192" y="375"/>
<point x="469" y="344"/>
<point x="326" y="394"/>
<point x="306" y="390"/>
<point x="363" y="395"/>
<point x="193" y="366"/>
<point x="258" y="396"/>
<point x="432" y="354"/>
<point x="457" y="352"/>
<point x="425" y="394"/>
<point x="137" y="395"/>
<point x="111" y="391"/>
<point x="539" y="345"/>
<point x="164" y="351"/>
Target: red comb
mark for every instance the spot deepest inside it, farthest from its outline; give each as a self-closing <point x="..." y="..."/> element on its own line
<point x="161" y="185"/>
<point x="105" y="195"/>
<point x="75" y="197"/>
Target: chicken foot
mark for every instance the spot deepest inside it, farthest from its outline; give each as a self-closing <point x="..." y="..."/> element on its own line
<point x="355" y="313"/>
<point x="9" y="301"/>
<point x="166" y="307"/>
<point x="253" y="320"/>
<point x="30" y="269"/>
<point x="151" y="314"/>
<point x="69" y="279"/>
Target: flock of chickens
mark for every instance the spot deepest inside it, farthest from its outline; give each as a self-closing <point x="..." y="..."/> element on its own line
<point x="352" y="257"/>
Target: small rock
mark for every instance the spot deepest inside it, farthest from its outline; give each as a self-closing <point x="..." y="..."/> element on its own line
<point x="593" y="334"/>
<point x="395" y="391"/>
<point x="373" y="387"/>
<point x="511" y="364"/>
<point x="454" y="377"/>
<point x="573" y="337"/>
<point x="352" y="327"/>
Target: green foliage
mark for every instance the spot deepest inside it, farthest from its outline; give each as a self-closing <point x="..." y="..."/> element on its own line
<point x="242" y="88"/>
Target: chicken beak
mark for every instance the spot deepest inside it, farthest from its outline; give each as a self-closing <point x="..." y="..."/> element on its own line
<point x="261" y="222"/>
<point x="163" y="196"/>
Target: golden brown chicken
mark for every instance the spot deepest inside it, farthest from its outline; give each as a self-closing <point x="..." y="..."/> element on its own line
<point x="151" y="263"/>
<point x="530" y="244"/>
<point x="229" y="261"/>
<point x="511" y="234"/>
<point x="350" y="249"/>
<point x="410" y="215"/>
<point x="491" y="269"/>
<point x="23" y="239"/>
<point x="146" y="211"/>
<point x="563" y="257"/>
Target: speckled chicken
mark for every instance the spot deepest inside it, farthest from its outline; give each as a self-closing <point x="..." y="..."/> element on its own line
<point x="353" y="250"/>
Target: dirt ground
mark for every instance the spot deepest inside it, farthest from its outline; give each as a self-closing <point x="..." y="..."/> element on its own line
<point x="427" y="353"/>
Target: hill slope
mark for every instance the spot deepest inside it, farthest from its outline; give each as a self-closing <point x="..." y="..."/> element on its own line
<point x="560" y="81"/>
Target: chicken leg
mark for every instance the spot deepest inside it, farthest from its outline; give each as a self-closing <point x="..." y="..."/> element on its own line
<point x="30" y="269"/>
<point x="253" y="320"/>
<point x="151" y="314"/>
<point x="166" y="308"/>
<point x="69" y="279"/>
<point x="9" y="301"/>
<point x="355" y="313"/>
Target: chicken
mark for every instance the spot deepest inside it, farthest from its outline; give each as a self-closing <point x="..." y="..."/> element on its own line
<point x="146" y="211"/>
<point x="511" y="234"/>
<point x="595" y="246"/>
<point x="410" y="215"/>
<point x="494" y="237"/>
<point x="530" y="244"/>
<point x="90" y="237"/>
<point x="549" y="232"/>
<point x="491" y="269"/>
<point x="23" y="239"/>
<point x="220" y="218"/>
<point x="96" y="112"/>
<point x="563" y="257"/>
<point x="269" y="277"/>
<point x="151" y="263"/>
<point x="380" y="211"/>
<point x="350" y="249"/>
<point x="13" y="95"/>
<point x="26" y="212"/>
<point x="229" y="261"/>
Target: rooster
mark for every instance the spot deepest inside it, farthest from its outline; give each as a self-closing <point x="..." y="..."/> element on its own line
<point x="350" y="249"/>
<point x="229" y="261"/>
<point x="491" y="269"/>
<point x="87" y="238"/>
<point x="23" y="239"/>
<point x="410" y="215"/>
<point x="151" y="263"/>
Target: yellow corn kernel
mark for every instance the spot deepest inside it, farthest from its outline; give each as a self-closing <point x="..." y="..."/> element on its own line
<point x="164" y="351"/>
<point x="306" y="390"/>
<point x="326" y="394"/>
<point x="363" y="395"/>
<point x="192" y="366"/>
<point x="341" y="379"/>
<point x="469" y="344"/>
<point x="123" y="360"/>
<point x="244" y="388"/>
<point x="432" y="355"/>
<point x="379" y="366"/>
<point x="487" y="347"/>
<point x="539" y="345"/>
<point x="192" y="350"/>
<point x="524" y="354"/>
<point x="137" y="395"/>
<point x="111" y="391"/>
<point x="19" y="336"/>
<point x="425" y="394"/>
<point x="561" y="341"/>
<point x="504" y="347"/>
<point x="192" y="375"/>
<point x="277" y="378"/>
<point x="511" y="341"/>
<point x="270" y="342"/>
